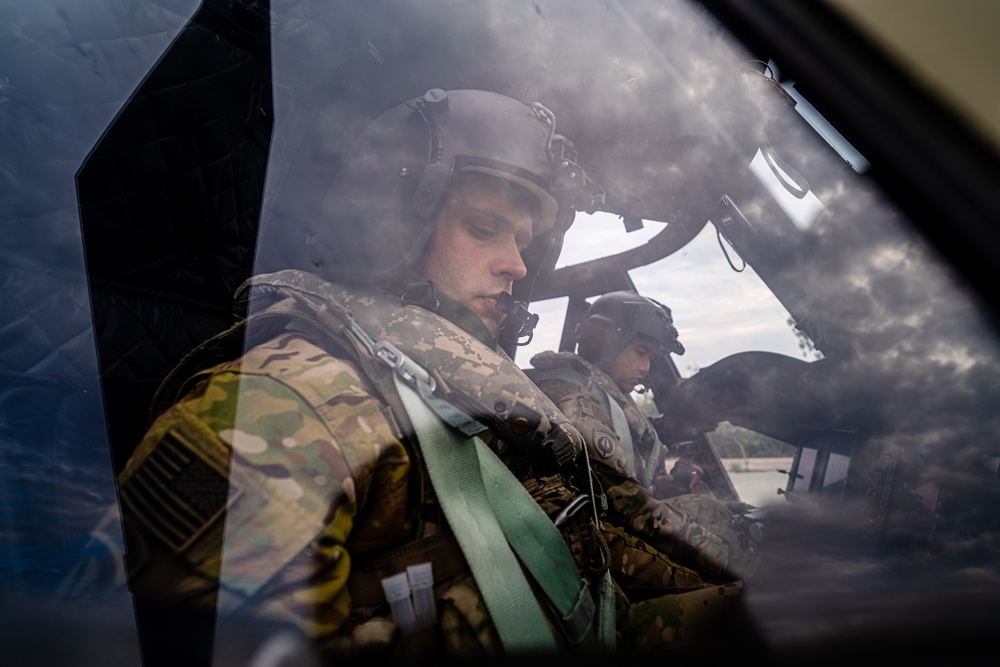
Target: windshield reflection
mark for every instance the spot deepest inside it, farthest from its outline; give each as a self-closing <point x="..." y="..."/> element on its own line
<point x="891" y="498"/>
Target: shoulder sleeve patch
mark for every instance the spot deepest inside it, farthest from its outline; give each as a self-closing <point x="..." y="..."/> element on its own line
<point x="177" y="492"/>
<point x="590" y="419"/>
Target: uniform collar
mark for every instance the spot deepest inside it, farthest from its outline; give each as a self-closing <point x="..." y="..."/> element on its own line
<point x="416" y="291"/>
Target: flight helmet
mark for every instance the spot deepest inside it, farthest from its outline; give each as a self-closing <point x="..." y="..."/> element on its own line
<point x="614" y="320"/>
<point x="379" y="212"/>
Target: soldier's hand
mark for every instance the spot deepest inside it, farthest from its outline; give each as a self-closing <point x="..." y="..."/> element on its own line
<point x="667" y="485"/>
<point x="690" y="474"/>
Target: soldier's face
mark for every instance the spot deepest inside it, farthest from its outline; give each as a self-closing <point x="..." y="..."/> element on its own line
<point x="632" y="364"/>
<point x="475" y="251"/>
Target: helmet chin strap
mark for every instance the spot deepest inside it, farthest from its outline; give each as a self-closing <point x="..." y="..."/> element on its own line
<point x="518" y="320"/>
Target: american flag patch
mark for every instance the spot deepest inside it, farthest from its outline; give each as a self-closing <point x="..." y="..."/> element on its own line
<point x="177" y="492"/>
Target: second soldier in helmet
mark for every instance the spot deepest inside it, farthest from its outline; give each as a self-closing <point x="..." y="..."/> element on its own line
<point x="664" y="539"/>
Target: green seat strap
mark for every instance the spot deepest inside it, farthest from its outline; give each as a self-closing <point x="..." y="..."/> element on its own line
<point x="481" y="493"/>
<point x="540" y="546"/>
<point x="454" y="470"/>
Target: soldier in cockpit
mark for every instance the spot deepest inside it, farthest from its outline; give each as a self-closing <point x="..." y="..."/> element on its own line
<point x="371" y="467"/>
<point x="664" y="538"/>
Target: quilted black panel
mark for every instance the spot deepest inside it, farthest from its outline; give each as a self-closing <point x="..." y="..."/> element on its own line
<point x="170" y="197"/>
<point x="170" y="202"/>
<point x="141" y="335"/>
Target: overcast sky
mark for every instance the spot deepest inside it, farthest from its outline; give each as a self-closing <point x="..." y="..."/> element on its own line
<point x="716" y="310"/>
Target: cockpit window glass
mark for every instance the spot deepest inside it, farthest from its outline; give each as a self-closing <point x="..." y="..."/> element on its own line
<point x="723" y="312"/>
<point x="156" y="155"/>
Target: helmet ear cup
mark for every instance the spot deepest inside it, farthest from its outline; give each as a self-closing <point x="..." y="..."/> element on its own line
<point x="601" y="340"/>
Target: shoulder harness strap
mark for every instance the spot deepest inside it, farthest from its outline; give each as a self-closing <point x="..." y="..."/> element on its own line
<point x="494" y="518"/>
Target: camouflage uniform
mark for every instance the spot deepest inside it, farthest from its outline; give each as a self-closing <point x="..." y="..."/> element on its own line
<point x="678" y="560"/>
<point x="302" y="445"/>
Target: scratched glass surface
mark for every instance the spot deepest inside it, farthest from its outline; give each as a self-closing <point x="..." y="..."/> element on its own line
<point x="810" y="310"/>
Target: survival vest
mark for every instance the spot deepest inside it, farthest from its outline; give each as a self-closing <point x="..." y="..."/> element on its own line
<point x="449" y="387"/>
<point x="631" y="427"/>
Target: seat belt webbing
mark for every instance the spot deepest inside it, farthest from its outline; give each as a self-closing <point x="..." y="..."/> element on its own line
<point x="454" y="470"/>
<point x="539" y="545"/>
<point x="475" y="509"/>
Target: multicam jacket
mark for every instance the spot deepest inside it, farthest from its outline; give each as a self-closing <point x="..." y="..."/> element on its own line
<point x="301" y="446"/>
<point x="686" y="540"/>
